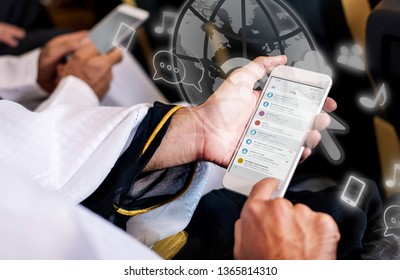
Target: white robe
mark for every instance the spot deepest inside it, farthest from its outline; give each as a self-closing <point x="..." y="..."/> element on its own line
<point x="58" y="160"/>
<point x="71" y="135"/>
<point x="36" y="224"/>
<point x="69" y="145"/>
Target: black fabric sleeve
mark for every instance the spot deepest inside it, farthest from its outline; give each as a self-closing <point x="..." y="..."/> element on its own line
<point x="113" y="192"/>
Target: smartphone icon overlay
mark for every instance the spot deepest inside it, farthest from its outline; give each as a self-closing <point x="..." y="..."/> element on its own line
<point x="117" y="28"/>
<point x="124" y="37"/>
<point x="353" y="191"/>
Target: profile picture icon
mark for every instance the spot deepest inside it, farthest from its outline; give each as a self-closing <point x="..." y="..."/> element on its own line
<point x="266" y="104"/>
<point x="245" y="151"/>
<point x="249" y="141"/>
<point x="253" y="132"/>
<point x="270" y="95"/>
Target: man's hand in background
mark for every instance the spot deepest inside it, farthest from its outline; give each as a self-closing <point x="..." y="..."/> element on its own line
<point x="53" y="53"/>
<point x="91" y="67"/>
<point x="11" y="35"/>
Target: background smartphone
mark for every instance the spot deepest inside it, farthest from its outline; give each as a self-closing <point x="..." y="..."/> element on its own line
<point x="272" y="143"/>
<point x="115" y="29"/>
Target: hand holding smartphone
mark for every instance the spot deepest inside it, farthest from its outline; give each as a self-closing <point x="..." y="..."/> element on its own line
<point x="273" y="141"/>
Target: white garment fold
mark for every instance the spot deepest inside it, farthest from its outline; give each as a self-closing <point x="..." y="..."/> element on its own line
<point x="65" y="148"/>
<point x="41" y="225"/>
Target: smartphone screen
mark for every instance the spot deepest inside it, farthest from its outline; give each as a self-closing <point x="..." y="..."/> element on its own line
<point x="104" y="34"/>
<point x="273" y="140"/>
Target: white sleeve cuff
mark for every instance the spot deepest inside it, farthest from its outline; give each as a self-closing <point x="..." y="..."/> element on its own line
<point x="21" y="71"/>
<point x="18" y="80"/>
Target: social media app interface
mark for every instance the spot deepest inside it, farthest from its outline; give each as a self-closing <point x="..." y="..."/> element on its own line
<point x="277" y="131"/>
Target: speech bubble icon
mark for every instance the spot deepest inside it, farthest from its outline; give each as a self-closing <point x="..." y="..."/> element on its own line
<point x="163" y="63"/>
<point x="195" y="76"/>
<point x="194" y="68"/>
<point x="392" y="221"/>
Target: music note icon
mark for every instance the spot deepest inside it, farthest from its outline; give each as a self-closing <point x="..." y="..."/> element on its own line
<point x="392" y="182"/>
<point x="371" y="103"/>
<point x="168" y="23"/>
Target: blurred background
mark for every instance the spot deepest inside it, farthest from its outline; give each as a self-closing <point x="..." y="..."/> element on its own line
<point x="370" y="146"/>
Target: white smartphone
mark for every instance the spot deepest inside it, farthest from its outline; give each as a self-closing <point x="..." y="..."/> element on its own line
<point x="117" y="28"/>
<point x="273" y="141"/>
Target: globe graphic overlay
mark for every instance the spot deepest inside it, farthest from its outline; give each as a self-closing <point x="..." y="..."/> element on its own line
<point x="214" y="37"/>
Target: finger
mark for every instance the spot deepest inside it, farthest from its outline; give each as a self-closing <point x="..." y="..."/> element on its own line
<point x="263" y="65"/>
<point x="256" y="69"/>
<point x="303" y="212"/>
<point x="330" y="105"/>
<point x="67" y="44"/>
<point x="270" y="63"/>
<point x="18" y="33"/>
<point x="264" y="189"/>
<point x="313" y="139"/>
<point x="238" y="239"/>
<point x="10" y="41"/>
<point x="322" y="121"/>
<point x="328" y="225"/>
<point x="14" y="31"/>
<point x="306" y="153"/>
<point x="257" y="93"/>
<point x="87" y="51"/>
<point x="114" y="56"/>
<point x="79" y="37"/>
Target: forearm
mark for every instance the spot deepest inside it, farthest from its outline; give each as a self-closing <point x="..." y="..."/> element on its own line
<point x="182" y="144"/>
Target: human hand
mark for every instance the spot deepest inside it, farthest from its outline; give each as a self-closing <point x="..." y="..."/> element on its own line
<point x="277" y="230"/>
<point x="321" y="122"/>
<point x="11" y="35"/>
<point x="53" y="54"/>
<point x="91" y="67"/>
<point x="213" y="129"/>
<point x="223" y="117"/>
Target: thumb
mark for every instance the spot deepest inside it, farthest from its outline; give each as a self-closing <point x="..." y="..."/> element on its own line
<point x="264" y="189"/>
<point x="263" y="65"/>
<point x="256" y="69"/>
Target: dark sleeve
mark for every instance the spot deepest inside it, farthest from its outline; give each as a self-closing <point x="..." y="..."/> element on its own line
<point x="125" y="190"/>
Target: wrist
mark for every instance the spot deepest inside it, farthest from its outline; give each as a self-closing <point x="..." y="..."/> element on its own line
<point x="188" y="121"/>
<point x="183" y="142"/>
<point x="199" y="132"/>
